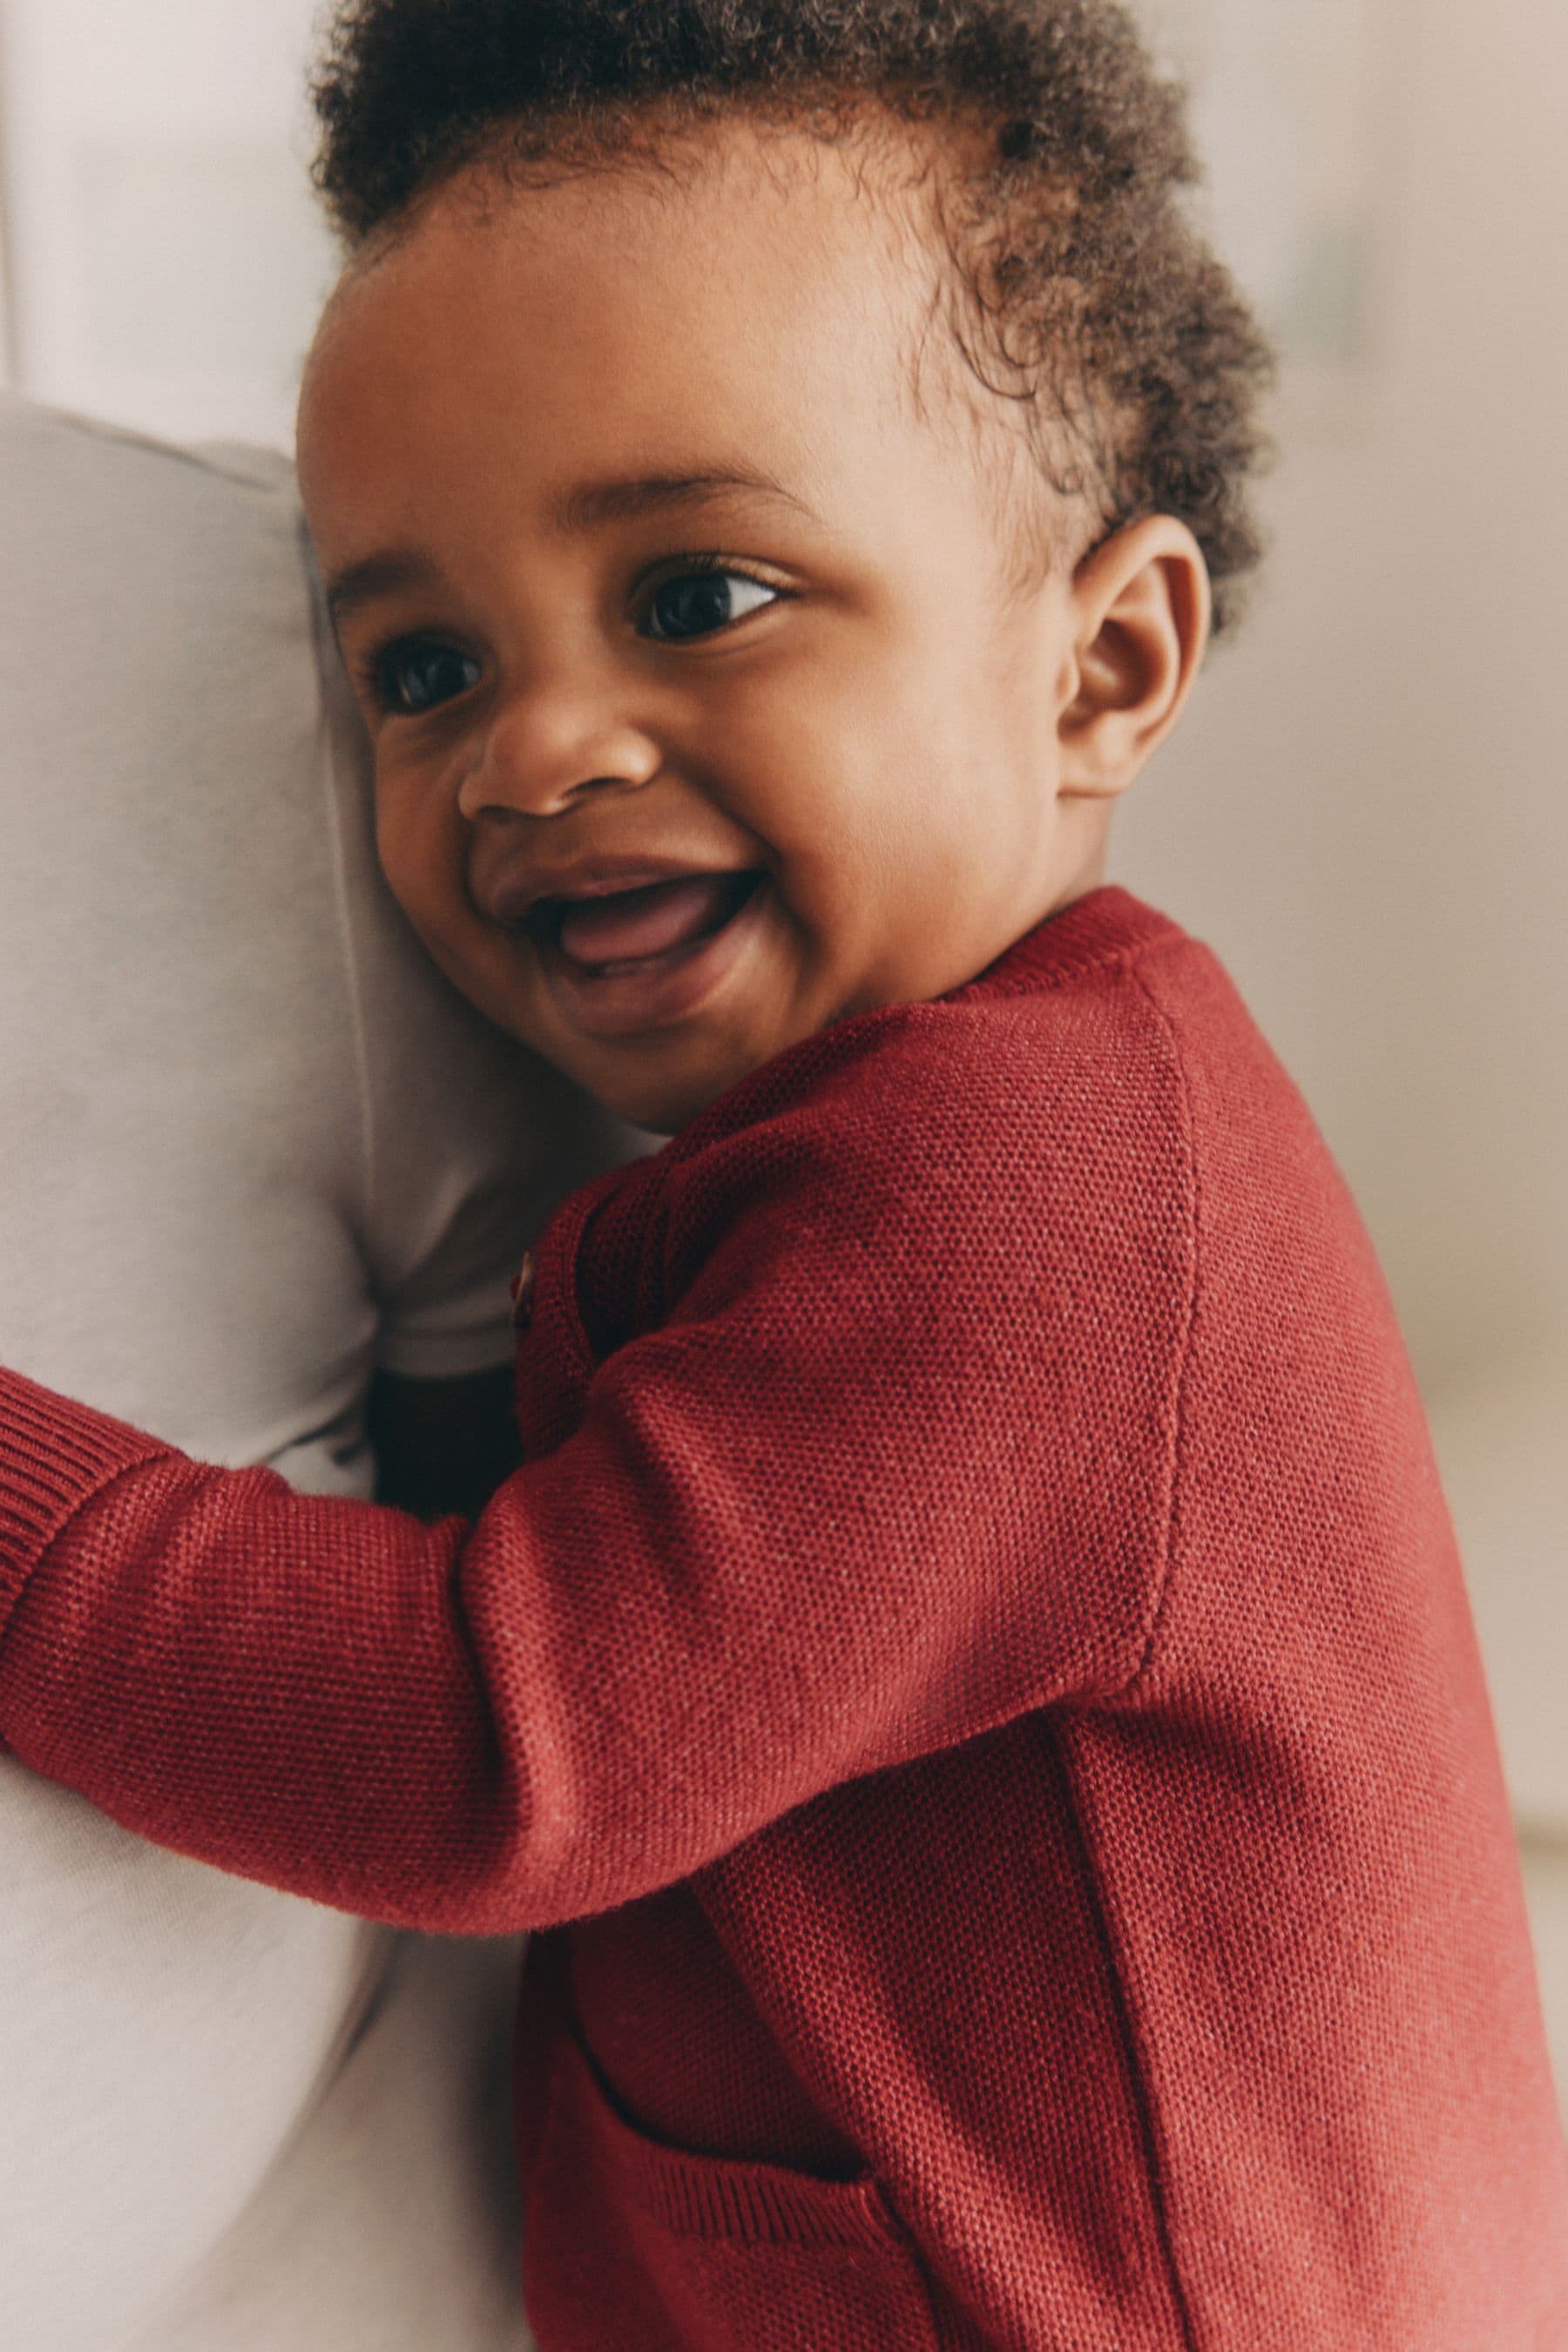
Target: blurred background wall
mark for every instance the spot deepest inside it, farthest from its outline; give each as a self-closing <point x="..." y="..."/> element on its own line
<point x="163" y="253"/>
<point x="1366" y="812"/>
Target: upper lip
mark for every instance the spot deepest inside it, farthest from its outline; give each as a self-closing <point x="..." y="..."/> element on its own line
<point x="512" y="895"/>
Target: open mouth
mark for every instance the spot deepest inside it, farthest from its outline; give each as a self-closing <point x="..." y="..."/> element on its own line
<point x="619" y="934"/>
<point x="628" y="963"/>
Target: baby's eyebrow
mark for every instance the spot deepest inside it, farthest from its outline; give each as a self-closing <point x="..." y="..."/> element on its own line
<point x="381" y="574"/>
<point x="588" y="506"/>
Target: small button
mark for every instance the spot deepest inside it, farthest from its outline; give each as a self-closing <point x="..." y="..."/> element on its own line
<point x="523" y="1293"/>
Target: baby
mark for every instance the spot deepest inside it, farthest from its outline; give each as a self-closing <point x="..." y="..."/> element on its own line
<point x="972" y="1678"/>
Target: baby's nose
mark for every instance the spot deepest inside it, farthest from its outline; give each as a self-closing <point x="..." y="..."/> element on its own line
<point x="542" y="753"/>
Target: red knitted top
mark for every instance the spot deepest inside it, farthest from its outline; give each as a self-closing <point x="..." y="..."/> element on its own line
<point x="976" y="1651"/>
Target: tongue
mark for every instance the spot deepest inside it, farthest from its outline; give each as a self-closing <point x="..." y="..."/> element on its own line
<point x="627" y="924"/>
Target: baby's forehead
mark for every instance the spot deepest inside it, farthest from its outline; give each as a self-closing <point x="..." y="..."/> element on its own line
<point x="760" y="245"/>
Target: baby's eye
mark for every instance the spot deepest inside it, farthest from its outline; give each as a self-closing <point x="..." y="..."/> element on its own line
<point x="415" y="676"/>
<point x="698" y="603"/>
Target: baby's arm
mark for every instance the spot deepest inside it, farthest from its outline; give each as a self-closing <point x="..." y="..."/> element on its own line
<point x="813" y="1525"/>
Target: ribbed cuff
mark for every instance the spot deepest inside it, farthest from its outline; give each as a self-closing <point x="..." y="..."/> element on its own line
<point x="54" y="1458"/>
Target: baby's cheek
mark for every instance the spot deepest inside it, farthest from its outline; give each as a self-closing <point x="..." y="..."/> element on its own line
<point x="423" y="852"/>
<point x="394" y="829"/>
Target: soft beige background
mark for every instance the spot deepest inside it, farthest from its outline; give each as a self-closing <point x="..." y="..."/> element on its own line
<point x="1366" y="812"/>
<point x="164" y="256"/>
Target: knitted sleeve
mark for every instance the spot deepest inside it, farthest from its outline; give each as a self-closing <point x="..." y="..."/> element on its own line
<point x="893" y="1467"/>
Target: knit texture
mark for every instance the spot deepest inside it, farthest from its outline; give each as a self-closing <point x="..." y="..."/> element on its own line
<point x="973" y="1679"/>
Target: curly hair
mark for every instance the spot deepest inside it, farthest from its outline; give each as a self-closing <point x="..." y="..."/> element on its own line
<point x="1084" y="292"/>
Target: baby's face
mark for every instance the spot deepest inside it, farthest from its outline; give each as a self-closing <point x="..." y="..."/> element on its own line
<point x="706" y="706"/>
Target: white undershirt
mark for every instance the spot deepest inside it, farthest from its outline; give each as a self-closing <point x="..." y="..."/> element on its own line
<point x="250" y="1146"/>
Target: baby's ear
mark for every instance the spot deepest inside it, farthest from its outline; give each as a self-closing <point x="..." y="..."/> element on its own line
<point x="1144" y="609"/>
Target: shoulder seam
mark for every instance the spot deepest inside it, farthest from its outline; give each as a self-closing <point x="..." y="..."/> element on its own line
<point x="1141" y="2089"/>
<point x="1176" y="1456"/>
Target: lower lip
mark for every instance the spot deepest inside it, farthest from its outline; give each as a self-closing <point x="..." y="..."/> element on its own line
<point x="658" y="991"/>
